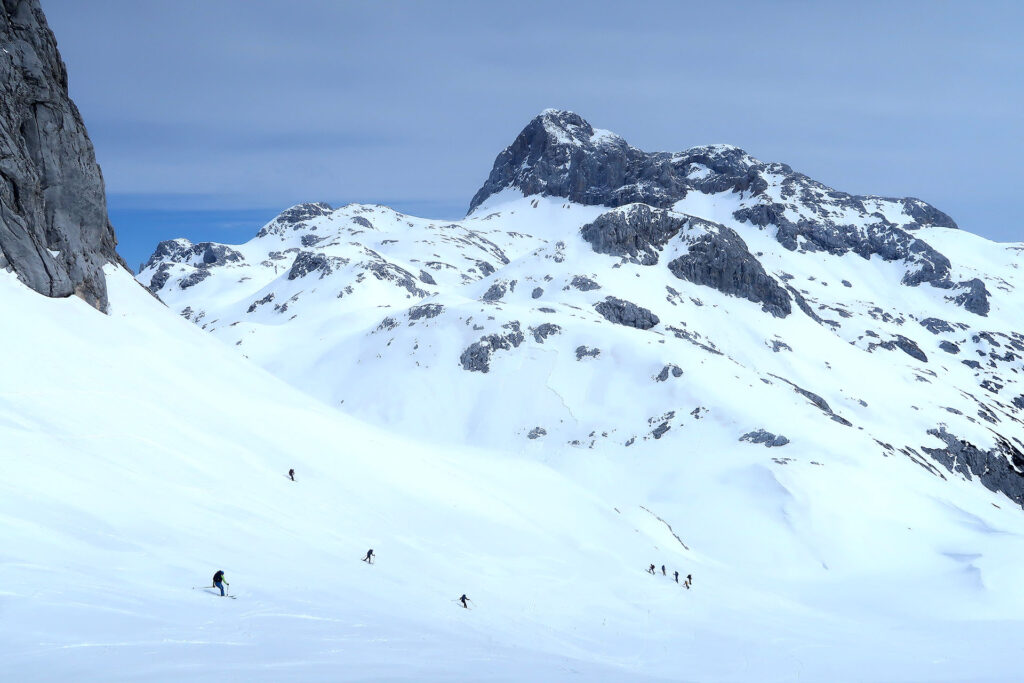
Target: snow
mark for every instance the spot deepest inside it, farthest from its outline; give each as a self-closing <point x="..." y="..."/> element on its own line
<point x="142" y="454"/>
<point x="602" y="136"/>
<point x="611" y="399"/>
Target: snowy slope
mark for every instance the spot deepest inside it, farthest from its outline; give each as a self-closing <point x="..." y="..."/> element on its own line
<point x="143" y="455"/>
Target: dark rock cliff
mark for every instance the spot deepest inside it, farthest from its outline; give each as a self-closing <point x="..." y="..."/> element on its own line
<point x="54" y="229"/>
<point x="717" y="257"/>
<point x="560" y="154"/>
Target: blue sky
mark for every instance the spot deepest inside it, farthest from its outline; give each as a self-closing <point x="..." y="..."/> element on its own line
<point x="210" y="116"/>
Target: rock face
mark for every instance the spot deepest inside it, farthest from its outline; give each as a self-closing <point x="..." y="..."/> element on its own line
<point x="637" y="233"/>
<point x="54" y="229"/>
<point x="936" y="325"/>
<point x="721" y="260"/>
<point x="717" y="258"/>
<point x="907" y="346"/>
<point x="998" y="469"/>
<point x="766" y="438"/>
<point x="975" y="299"/>
<point x="297" y="216"/>
<point x="477" y="356"/>
<point x="202" y="254"/>
<point x="626" y="313"/>
<point x="307" y="262"/>
<point x="560" y="154"/>
<point x="879" y="237"/>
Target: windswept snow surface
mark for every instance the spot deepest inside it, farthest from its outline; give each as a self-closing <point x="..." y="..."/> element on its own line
<point x="141" y="455"/>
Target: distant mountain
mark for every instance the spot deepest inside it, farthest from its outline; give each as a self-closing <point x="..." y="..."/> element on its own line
<point x="601" y="297"/>
<point x="54" y="230"/>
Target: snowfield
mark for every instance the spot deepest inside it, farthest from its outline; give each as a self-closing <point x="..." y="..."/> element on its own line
<point x="142" y="455"/>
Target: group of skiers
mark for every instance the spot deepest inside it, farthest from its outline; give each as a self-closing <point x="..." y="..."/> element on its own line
<point x="686" y="582"/>
<point x="220" y="582"/>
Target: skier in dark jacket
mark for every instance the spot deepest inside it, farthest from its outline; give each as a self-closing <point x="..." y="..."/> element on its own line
<point x="663" y="570"/>
<point x="677" y="576"/>
<point x="291" y="474"/>
<point x="219" y="582"/>
<point x="369" y="556"/>
<point x="463" y="600"/>
<point x="689" y="581"/>
<point x="651" y="569"/>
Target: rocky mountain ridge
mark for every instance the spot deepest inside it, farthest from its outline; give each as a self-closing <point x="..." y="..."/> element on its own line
<point x="560" y="154"/>
<point x="742" y="298"/>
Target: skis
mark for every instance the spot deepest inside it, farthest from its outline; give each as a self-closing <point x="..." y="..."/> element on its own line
<point x="226" y="595"/>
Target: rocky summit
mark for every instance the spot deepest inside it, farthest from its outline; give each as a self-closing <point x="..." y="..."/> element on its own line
<point x="602" y="298"/>
<point x="54" y="230"/>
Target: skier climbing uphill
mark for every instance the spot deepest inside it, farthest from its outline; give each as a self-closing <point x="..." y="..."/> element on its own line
<point x="464" y="600"/>
<point x="219" y="582"/>
<point x="369" y="556"/>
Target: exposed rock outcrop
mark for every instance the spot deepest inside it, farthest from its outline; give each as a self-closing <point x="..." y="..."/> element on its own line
<point x="560" y="154"/>
<point x="904" y="344"/>
<point x="766" y="438"/>
<point x="477" y="356"/>
<point x="202" y="254"/>
<point x="975" y="299"/>
<point x="626" y="313"/>
<point x="307" y="262"/>
<point x="717" y="257"/>
<point x="54" y="229"/>
<point x="637" y="233"/>
<point x="296" y="217"/>
<point x="720" y="260"/>
<point x="999" y="469"/>
<point x="936" y="325"/>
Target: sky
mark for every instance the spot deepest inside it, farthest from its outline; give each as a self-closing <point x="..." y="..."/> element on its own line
<point x="209" y="117"/>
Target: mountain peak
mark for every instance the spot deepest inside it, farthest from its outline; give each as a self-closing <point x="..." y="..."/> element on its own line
<point x="545" y="159"/>
<point x="304" y="212"/>
<point x="294" y="216"/>
<point x="560" y="154"/>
